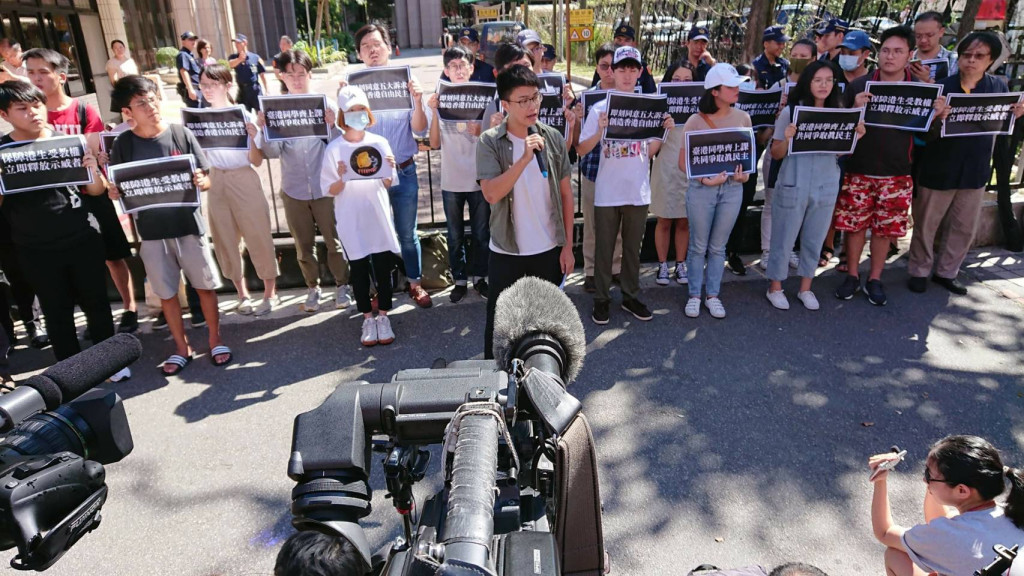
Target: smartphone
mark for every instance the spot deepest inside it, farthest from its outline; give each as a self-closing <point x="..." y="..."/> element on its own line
<point x="915" y="61"/>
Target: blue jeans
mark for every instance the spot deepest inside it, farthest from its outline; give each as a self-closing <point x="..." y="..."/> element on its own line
<point x="479" y="223"/>
<point x="405" y="205"/>
<point x="712" y="212"/>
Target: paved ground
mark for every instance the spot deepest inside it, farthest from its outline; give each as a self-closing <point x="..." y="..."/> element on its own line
<point x="731" y="442"/>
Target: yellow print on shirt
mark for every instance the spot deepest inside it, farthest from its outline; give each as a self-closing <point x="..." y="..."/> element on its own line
<point x="621" y="148"/>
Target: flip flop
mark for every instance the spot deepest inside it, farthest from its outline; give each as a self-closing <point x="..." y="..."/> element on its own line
<point x="825" y="257"/>
<point x="220" y="351"/>
<point x="177" y="360"/>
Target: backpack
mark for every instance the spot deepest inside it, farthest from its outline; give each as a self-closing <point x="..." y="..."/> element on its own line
<point x="436" y="272"/>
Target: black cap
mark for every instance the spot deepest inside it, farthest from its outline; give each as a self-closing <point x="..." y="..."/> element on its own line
<point x="188" y="35"/>
<point x="626" y="30"/>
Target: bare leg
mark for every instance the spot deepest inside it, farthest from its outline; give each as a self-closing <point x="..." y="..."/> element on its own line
<point x="879" y="252"/>
<point x="662" y="230"/>
<point x="897" y="563"/>
<point x="270" y="288"/>
<point x="208" y="301"/>
<point x="122" y="278"/>
<point x="172" y="312"/>
<point x="241" y="288"/>
<point x="805" y="284"/>
<point x="854" y="248"/>
<point x="682" y="238"/>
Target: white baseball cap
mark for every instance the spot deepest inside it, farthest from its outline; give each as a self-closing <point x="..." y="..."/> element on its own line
<point x="350" y="97"/>
<point x="626" y="53"/>
<point x="528" y="37"/>
<point x="724" y="75"/>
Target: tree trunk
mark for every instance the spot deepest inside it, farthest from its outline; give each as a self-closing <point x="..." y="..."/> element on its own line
<point x="760" y="10"/>
<point x="319" y="22"/>
<point x="967" y="19"/>
<point x="635" y="19"/>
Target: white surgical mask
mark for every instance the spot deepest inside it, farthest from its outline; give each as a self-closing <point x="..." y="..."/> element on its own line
<point x="749" y="85"/>
<point x="358" y="120"/>
<point x="849" y="62"/>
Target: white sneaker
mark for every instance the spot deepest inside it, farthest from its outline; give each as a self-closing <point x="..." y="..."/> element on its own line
<point x="763" y="264"/>
<point x="122" y="374"/>
<point x="266" y="306"/>
<point x="794" y="260"/>
<point x="343" y="297"/>
<point x="662" y="279"/>
<point x="369" y="337"/>
<point x="809" y="300"/>
<point x="778" y="299"/>
<point x="312" y="303"/>
<point x="385" y="335"/>
<point x="715" y="307"/>
<point x="692" y="307"/>
<point x="244" y="306"/>
<point x="681" y="277"/>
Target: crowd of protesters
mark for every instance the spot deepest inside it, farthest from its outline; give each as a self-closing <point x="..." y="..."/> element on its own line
<point x="370" y="226"/>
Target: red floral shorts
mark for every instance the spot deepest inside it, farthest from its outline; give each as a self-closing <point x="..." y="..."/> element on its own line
<point x="883" y="204"/>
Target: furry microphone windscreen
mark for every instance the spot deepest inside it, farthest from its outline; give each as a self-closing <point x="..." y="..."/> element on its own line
<point x="533" y="305"/>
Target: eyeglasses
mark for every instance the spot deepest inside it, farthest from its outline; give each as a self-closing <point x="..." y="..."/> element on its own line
<point x="975" y="55"/>
<point x="458" y="66"/>
<point x="604" y="67"/>
<point x="150" y="102"/>
<point x="527" y="103"/>
<point x="928" y="478"/>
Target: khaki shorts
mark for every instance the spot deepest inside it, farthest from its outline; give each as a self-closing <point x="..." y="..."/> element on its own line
<point x="165" y="260"/>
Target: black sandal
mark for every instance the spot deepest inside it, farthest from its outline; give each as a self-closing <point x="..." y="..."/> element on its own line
<point x="843" y="266"/>
<point x="825" y="257"/>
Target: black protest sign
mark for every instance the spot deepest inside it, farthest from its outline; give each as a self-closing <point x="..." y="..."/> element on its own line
<point x="789" y="86"/>
<point x="939" y="68"/>
<point x="107" y="141"/>
<point x="761" y="105"/>
<point x="683" y="98"/>
<point x="980" y="114"/>
<point x="220" y="129"/>
<point x="825" y="130"/>
<point x="295" y="116"/>
<point x="551" y="83"/>
<point x="387" y="89"/>
<point x="636" y="116"/>
<point x="44" y="163"/>
<point x="901" y="105"/>
<point x="160" y="183"/>
<point x="367" y="162"/>
<point x="552" y="113"/>
<point x="591" y="97"/>
<point x="711" y="152"/>
<point x="464" y="102"/>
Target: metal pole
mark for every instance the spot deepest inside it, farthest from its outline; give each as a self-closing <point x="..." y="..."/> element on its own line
<point x="568" y="45"/>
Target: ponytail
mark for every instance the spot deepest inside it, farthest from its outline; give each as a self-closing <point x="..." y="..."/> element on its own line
<point x="1015" y="500"/>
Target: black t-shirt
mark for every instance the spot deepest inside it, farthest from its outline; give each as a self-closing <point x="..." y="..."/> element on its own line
<point x="50" y="218"/>
<point x="162" y="223"/>
<point x="882" y="151"/>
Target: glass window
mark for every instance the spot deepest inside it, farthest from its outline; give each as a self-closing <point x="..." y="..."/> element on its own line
<point x="31" y="32"/>
<point x="64" y="42"/>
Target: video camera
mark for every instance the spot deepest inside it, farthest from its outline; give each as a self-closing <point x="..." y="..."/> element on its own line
<point x="58" y="432"/>
<point x="518" y="458"/>
<point x="1004" y="562"/>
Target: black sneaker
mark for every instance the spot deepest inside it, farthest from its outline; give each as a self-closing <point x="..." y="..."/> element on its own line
<point x="917" y="284"/>
<point x="637" y="308"/>
<point x="129" y="322"/>
<point x="458" y="293"/>
<point x="951" y="284"/>
<point x="600" y="315"/>
<point x="736" y="265"/>
<point x="848" y="288"/>
<point x="160" y="323"/>
<point x="588" y="285"/>
<point x="481" y="287"/>
<point x="875" y="292"/>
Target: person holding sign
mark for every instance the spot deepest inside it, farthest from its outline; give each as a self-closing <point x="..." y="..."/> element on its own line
<point x="362" y="209"/>
<point x="806" y="190"/>
<point x="238" y="206"/>
<point x="458" y="141"/>
<point x="60" y="250"/>
<point x="529" y="234"/>
<point x="668" y="196"/>
<point x="953" y="176"/>
<point x="713" y="202"/>
<point x="400" y="129"/>
<point x="877" y="187"/>
<point x="307" y="208"/>
<point x="928" y="32"/>
<point x="622" y="195"/>
<point x="173" y="238"/>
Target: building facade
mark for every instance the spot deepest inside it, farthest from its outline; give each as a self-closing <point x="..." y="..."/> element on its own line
<point x="418" y="23"/>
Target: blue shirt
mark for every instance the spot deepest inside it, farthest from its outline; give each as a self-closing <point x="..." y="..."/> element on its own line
<point x="247" y="74"/>
<point x="769" y="74"/>
<point x="185" y="61"/>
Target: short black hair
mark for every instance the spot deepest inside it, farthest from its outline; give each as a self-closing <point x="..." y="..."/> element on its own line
<point x="370" y="29"/>
<point x="515" y="77"/>
<point x="19" y="91"/>
<point x="508" y="52"/>
<point x="903" y="32"/>
<point x="806" y="42"/>
<point x="129" y="87"/>
<point x="995" y="47"/>
<point x="297" y="57"/>
<point x="606" y="49"/>
<point x="671" y="70"/>
<point x="309" y="553"/>
<point x="801" y="95"/>
<point x="457" y="53"/>
<point x="56" y="60"/>
<point x="118" y="42"/>
<point x="931" y="15"/>
<point x="797" y="569"/>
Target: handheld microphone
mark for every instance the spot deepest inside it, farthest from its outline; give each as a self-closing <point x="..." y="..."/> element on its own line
<point x="533" y="307"/>
<point x="539" y="155"/>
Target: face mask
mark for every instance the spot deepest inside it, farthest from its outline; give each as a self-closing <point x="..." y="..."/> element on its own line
<point x="797" y="65"/>
<point x="849" y="62"/>
<point x="750" y="85"/>
<point x="357" y="120"/>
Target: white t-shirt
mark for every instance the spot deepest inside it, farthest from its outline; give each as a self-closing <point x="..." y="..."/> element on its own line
<point x="960" y="545"/>
<point x="623" y="174"/>
<point x="458" y="157"/>
<point x="362" y="210"/>
<point x="230" y="159"/>
<point x="533" y="212"/>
